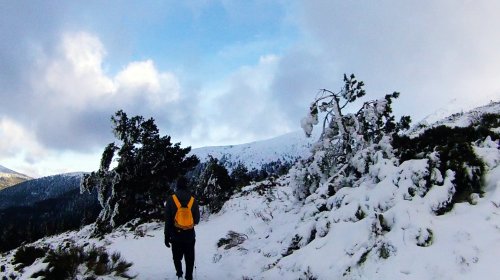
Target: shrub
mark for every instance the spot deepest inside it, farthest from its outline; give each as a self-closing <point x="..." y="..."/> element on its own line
<point x="213" y="186"/>
<point x="231" y="240"/>
<point x="26" y="255"/>
<point x="63" y="263"/>
<point x="425" y="238"/>
<point x="454" y="150"/>
<point x="308" y="275"/>
<point x="364" y="257"/>
<point x="294" y="245"/>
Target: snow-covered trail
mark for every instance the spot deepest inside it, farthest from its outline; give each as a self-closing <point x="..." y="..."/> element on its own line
<point x="248" y="215"/>
<point x="153" y="261"/>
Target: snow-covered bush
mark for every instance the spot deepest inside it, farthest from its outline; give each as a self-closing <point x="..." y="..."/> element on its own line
<point x="448" y="148"/>
<point x="27" y="255"/>
<point x="231" y="240"/>
<point x="343" y="136"/>
<point x="69" y="260"/>
<point x="373" y="189"/>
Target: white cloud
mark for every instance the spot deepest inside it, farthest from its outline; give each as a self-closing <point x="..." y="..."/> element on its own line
<point x="76" y="77"/>
<point x="70" y="101"/>
<point x="143" y="78"/>
<point x="20" y="151"/>
<point x="18" y="142"/>
<point x="427" y="50"/>
<point x="15" y="137"/>
<point x="241" y="107"/>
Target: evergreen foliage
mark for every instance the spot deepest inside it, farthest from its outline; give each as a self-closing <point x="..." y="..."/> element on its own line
<point x="451" y="149"/>
<point x="214" y="185"/>
<point x="240" y="176"/>
<point x="232" y="239"/>
<point x="146" y="164"/>
<point x="270" y="169"/>
<point x="65" y="262"/>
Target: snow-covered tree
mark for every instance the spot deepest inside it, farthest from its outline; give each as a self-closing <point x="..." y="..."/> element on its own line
<point x="139" y="183"/>
<point x="214" y="186"/>
<point x="343" y="133"/>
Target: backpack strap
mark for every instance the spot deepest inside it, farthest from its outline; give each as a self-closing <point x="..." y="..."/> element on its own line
<point x="176" y="201"/>
<point x="190" y="204"/>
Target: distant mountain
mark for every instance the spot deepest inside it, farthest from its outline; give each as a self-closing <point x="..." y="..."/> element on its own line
<point x="285" y="148"/>
<point x="9" y="177"/>
<point x="33" y="191"/>
<point x="460" y="119"/>
<point x="45" y="206"/>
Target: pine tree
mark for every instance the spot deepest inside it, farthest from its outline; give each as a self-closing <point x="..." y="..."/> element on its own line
<point x="240" y="176"/>
<point x="214" y="186"/>
<point x="146" y="164"/>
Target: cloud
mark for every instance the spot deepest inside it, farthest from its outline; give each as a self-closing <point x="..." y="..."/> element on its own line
<point x="18" y="140"/>
<point x="236" y="108"/>
<point x="64" y="100"/>
<point x="260" y="101"/>
<point x="60" y="85"/>
<point x="79" y="95"/>
<point x="428" y="50"/>
<point x="71" y="96"/>
<point x="143" y="77"/>
<point x="74" y="77"/>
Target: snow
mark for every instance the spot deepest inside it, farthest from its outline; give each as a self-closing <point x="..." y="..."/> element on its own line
<point x="288" y="147"/>
<point x="460" y="119"/>
<point x="464" y="245"/>
<point x="375" y="230"/>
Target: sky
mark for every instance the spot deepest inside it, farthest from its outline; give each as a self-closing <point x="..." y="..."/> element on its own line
<point x="220" y="72"/>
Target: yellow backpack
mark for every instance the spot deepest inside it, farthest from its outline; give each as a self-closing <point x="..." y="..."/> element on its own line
<point x="183" y="216"/>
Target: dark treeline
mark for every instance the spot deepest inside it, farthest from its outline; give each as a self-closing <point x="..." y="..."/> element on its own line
<point x="68" y="211"/>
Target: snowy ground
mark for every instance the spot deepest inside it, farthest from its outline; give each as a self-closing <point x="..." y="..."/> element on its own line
<point x="465" y="244"/>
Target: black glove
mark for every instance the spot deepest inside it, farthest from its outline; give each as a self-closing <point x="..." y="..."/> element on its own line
<point x="167" y="242"/>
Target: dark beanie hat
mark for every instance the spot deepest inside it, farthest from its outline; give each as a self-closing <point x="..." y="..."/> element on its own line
<point x="182" y="183"/>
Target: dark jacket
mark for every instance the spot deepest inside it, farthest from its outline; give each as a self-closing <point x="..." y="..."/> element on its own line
<point x="173" y="234"/>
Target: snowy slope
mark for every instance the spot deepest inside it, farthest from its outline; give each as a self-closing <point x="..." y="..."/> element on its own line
<point x="9" y="177"/>
<point x="465" y="243"/>
<point x="457" y="119"/>
<point x="29" y="192"/>
<point x="285" y="148"/>
<point x="374" y="231"/>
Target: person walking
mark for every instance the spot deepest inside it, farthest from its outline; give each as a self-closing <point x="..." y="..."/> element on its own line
<point x="182" y="213"/>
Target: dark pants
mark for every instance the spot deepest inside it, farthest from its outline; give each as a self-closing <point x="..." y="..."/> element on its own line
<point x="184" y="249"/>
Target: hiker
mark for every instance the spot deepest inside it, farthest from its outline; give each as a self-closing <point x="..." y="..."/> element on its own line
<point x="179" y="227"/>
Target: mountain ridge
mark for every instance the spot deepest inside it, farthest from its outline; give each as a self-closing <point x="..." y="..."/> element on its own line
<point x="285" y="148"/>
<point x="10" y="177"/>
